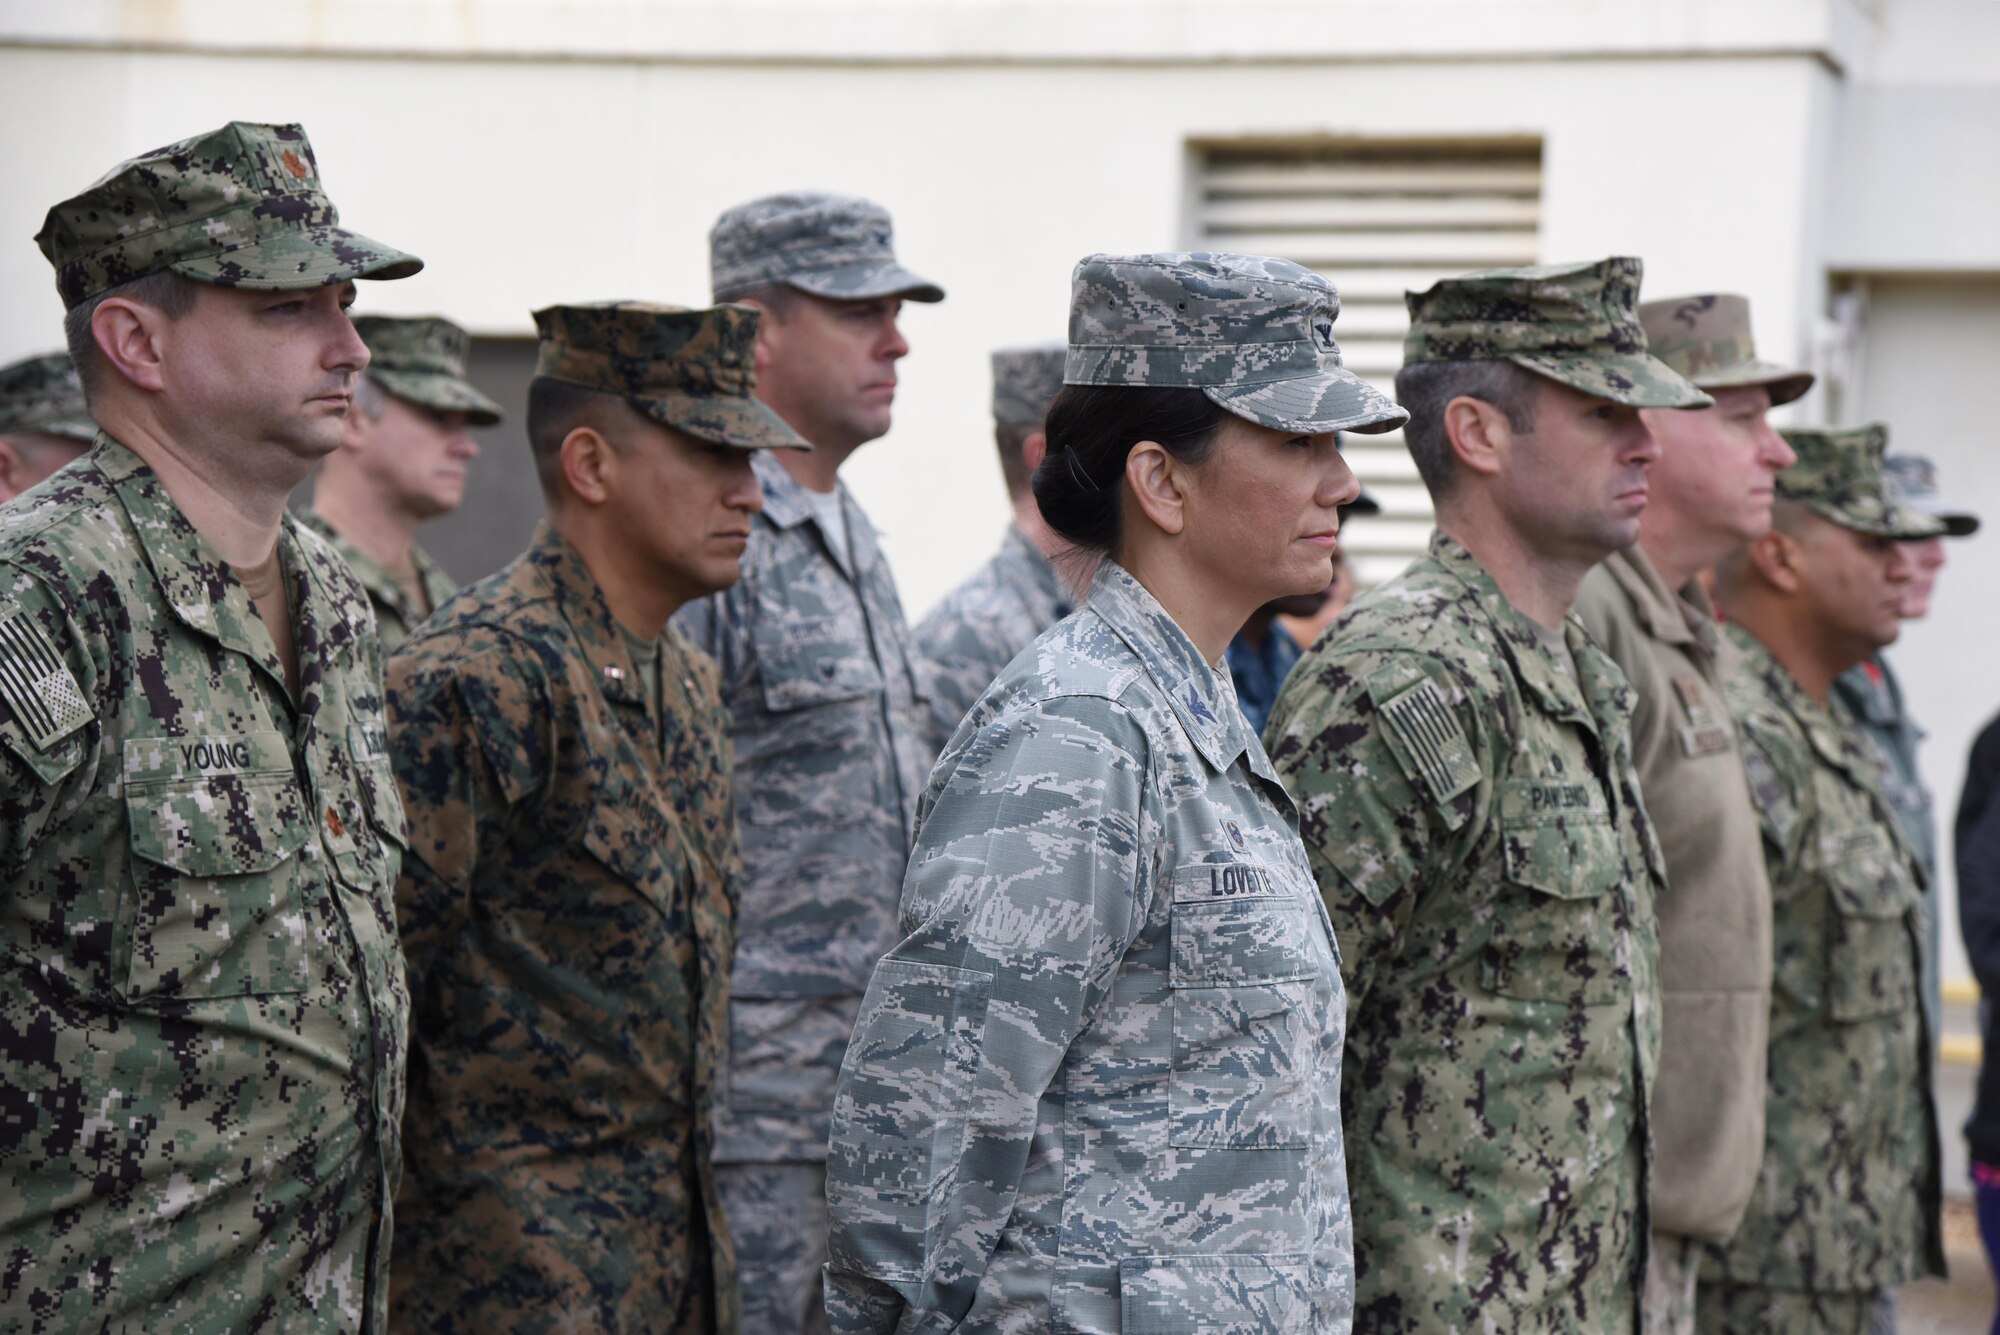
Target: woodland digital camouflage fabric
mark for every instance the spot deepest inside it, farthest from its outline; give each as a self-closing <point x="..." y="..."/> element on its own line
<point x="1470" y="810"/>
<point x="568" y="910"/>
<point x="237" y="207"/>
<point x="422" y="359"/>
<point x="1706" y="340"/>
<point x="1253" y="333"/>
<point x="828" y="721"/>
<point x="42" y="394"/>
<point x="983" y="623"/>
<point x="396" y="615"/>
<point x="692" y="370"/>
<point x="1577" y="324"/>
<point x="1849" y="1196"/>
<point x="1095" y="1087"/>
<point x="1839" y="476"/>
<point x="200" y="983"/>
<point x="837" y="246"/>
<point x="1024" y="382"/>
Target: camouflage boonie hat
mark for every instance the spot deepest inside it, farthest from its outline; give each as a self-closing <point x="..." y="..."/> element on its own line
<point x="43" y="395"/>
<point x="1706" y="338"/>
<point x="1025" y="381"/>
<point x="1839" y="476"/>
<point x="1573" y="323"/>
<point x="689" y="369"/>
<point x="422" y="359"/>
<point x="835" y="246"/>
<point x="1254" y="334"/>
<point x="1913" y="481"/>
<point x="238" y="207"/>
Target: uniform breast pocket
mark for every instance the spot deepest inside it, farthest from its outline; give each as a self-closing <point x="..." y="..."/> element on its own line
<point x="1243" y="967"/>
<point x="1555" y="931"/>
<point x="1871" y="968"/>
<point x="216" y="909"/>
<point x="824" y="690"/>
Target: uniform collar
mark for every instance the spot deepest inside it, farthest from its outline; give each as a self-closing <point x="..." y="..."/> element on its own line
<point x="1203" y="699"/>
<point x="1685" y="616"/>
<point x="580" y="601"/>
<point x="787" y="505"/>
<point x="1595" y="696"/>
<point x="1019" y="554"/>
<point x="375" y="578"/>
<point x="1828" y="727"/>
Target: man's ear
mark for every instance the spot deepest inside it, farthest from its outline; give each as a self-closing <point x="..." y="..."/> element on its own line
<point x="131" y="338"/>
<point x="1155" y="478"/>
<point x="1779" y="560"/>
<point x="589" y="465"/>
<point x="768" y="334"/>
<point x="12" y="468"/>
<point x="1479" y="433"/>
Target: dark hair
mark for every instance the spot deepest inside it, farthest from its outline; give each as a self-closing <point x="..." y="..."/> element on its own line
<point x="1011" y="439"/>
<point x="556" y="408"/>
<point x="164" y="290"/>
<point x="1091" y="430"/>
<point x="1424" y="388"/>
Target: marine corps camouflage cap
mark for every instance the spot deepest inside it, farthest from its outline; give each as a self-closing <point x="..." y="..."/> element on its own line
<point x="1253" y="333"/>
<point x="1576" y="324"/>
<point x="1839" y="476"/>
<point x="43" y="395"/>
<point x="834" y="246"/>
<point x="689" y="369"/>
<point x="1706" y="338"/>
<point x="237" y="207"/>
<point x="1913" y="480"/>
<point x="421" y="359"/>
<point x="1025" y="381"/>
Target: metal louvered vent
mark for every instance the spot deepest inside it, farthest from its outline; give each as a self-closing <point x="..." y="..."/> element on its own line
<point x="1376" y="217"/>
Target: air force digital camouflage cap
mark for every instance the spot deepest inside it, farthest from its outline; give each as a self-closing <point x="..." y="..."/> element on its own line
<point x="1706" y="339"/>
<point x="42" y="395"/>
<point x="1577" y="324"/>
<point x="1025" y="381"/>
<point x="237" y="207"/>
<point x="1254" y="334"/>
<point x="1839" y="476"/>
<point x="1913" y="480"/>
<point x="834" y="246"/>
<point x="422" y="359"/>
<point x="687" y="369"/>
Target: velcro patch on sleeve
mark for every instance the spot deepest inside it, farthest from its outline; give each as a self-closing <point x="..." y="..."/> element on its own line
<point x="39" y="690"/>
<point x="1428" y="742"/>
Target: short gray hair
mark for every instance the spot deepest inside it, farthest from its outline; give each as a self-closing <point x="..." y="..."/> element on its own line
<point x="164" y="290"/>
<point x="1424" y="388"/>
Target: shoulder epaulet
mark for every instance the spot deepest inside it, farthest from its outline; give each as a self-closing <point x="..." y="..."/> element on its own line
<point x="1422" y="731"/>
<point x="38" y="687"/>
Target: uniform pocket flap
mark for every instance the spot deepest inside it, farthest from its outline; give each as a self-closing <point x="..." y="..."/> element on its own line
<point x="1556" y="836"/>
<point x="1863" y="875"/>
<point x="225" y="825"/>
<point x="1214" y="1295"/>
<point x="813" y="663"/>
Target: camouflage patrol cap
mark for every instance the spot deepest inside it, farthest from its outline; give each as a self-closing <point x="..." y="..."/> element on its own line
<point x="1706" y="338"/>
<point x="689" y="369"/>
<point x="1839" y="476"/>
<point x="43" y="395"/>
<point x="835" y="246"/>
<point x="237" y="207"/>
<point x="1913" y="480"/>
<point x="1025" y="380"/>
<point x="1254" y="334"/>
<point x="422" y="359"/>
<point x="1573" y="323"/>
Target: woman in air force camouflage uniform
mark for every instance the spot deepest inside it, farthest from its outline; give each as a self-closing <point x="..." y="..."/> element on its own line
<point x="1096" y="1087"/>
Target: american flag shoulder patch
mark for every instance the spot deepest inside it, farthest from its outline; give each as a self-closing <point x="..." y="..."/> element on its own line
<point x="1428" y="742"/>
<point x="36" y="685"/>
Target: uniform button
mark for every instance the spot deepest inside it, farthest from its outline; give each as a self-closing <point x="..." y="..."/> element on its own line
<point x="333" y="823"/>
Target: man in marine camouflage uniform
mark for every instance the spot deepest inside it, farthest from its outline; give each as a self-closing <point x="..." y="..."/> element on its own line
<point x="820" y="678"/>
<point x="1846" y="1206"/>
<point x="1020" y="593"/>
<point x="1460" y="753"/>
<point x="44" y="422"/>
<point x="403" y="461"/>
<point x="199" y="832"/>
<point x="569" y="901"/>
<point x="1709" y="495"/>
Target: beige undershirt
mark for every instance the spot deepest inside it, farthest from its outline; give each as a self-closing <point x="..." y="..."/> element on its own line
<point x="265" y="583"/>
<point x="1556" y="641"/>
